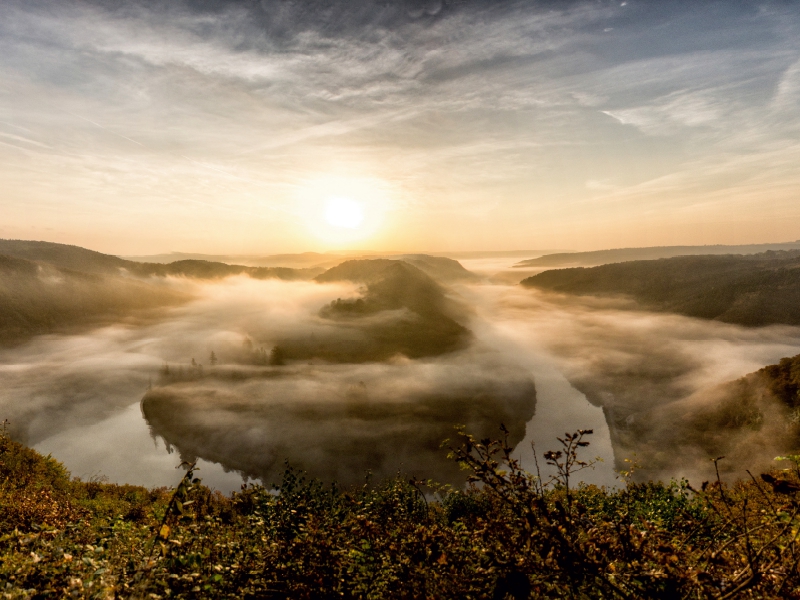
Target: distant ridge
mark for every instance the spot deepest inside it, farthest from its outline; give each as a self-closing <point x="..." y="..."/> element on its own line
<point x="617" y="255"/>
<point x="751" y="290"/>
<point x="75" y="258"/>
<point x="297" y="260"/>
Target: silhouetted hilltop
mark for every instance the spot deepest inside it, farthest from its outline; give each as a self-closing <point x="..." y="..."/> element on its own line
<point x="759" y="289"/>
<point x="391" y="285"/>
<point x="439" y="267"/>
<point x="62" y="256"/>
<point x="201" y="266"/>
<point x="300" y="260"/>
<point x="359" y="271"/>
<point x="603" y="257"/>
<point x="75" y="258"/>
<point x="47" y="287"/>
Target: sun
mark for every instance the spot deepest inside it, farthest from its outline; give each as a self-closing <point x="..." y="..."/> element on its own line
<point x="343" y="212"/>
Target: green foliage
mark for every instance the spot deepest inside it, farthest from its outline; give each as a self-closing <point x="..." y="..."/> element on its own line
<point x="783" y="380"/>
<point x="509" y="534"/>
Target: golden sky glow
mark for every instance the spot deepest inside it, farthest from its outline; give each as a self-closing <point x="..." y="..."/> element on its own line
<point x="150" y="127"/>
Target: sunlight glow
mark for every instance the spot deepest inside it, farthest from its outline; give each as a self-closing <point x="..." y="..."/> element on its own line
<point x="343" y="212"/>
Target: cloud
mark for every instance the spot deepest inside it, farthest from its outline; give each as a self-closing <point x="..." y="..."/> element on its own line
<point x="463" y="109"/>
<point x="24" y="140"/>
<point x="678" y="109"/>
<point x="788" y="89"/>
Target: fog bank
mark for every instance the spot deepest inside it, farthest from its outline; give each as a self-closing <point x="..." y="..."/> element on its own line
<point x="659" y="378"/>
<point x="654" y="383"/>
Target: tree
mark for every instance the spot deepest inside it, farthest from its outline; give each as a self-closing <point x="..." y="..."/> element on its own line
<point x="213" y="358"/>
<point x="277" y="357"/>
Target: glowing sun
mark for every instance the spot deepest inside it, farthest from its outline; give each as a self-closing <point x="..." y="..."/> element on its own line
<point x="343" y="212"/>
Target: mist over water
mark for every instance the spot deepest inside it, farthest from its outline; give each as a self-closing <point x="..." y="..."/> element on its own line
<point x="593" y="363"/>
<point x="657" y="377"/>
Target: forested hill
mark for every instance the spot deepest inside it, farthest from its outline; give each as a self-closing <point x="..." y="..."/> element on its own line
<point x="751" y="290"/>
<point x="39" y="298"/>
<point x="426" y="321"/>
<point x="45" y="287"/>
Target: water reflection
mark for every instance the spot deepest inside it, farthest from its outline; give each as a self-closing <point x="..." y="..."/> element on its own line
<point x="120" y="449"/>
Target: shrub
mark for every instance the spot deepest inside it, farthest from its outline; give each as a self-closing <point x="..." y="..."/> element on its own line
<point x="508" y="534"/>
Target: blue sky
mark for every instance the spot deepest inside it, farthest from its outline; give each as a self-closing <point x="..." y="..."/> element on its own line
<point x="136" y="127"/>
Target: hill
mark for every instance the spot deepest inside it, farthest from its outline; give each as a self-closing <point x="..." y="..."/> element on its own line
<point x="440" y="268"/>
<point x="748" y="421"/>
<point x="301" y="260"/>
<point x="402" y="311"/>
<point x="63" y="256"/>
<point x="47" y="287"/>
<point x="603" y="257"/>
<point x="39" y="298"/>
<point x="755" y="290"/>
<point x="82" y="260"/>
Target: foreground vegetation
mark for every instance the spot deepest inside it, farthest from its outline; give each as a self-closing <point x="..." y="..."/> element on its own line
<point x="510" y="534"/>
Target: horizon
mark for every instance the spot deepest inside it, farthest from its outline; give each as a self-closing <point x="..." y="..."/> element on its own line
<point x="371" y="252"/>
<point x="246" y="127"/>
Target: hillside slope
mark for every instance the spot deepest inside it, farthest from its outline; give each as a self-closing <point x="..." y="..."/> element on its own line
<point x="749" y="420"/>
<point x="63" y="256"/>
<point x="37" y="298"/>
<point x="402" y="311"/>
<point x="75" y="258"/>
<point x="47" y="287"/>
<point x="394" y="539"/>
<point x="761" y="289"/>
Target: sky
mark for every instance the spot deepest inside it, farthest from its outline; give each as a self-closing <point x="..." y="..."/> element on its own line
<point x="247" y="126"/>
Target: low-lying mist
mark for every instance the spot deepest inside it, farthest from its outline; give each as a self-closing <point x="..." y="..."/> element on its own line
<point x="303" y="372"/>
<point x="337" y="420"/>
<point x="667" y="384"/>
